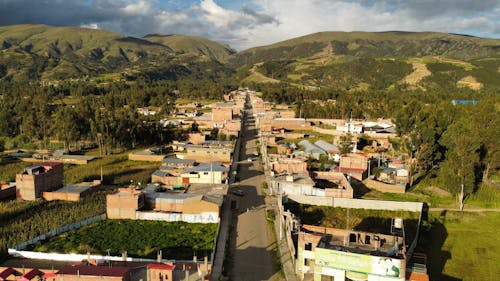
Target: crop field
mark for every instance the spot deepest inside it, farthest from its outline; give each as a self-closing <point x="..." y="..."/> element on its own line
<point x="143" y="239"/>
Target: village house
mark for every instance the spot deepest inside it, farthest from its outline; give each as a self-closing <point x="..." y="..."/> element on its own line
<point x="206" y="173"/>
<point x="354" y="165"/>
<point x="217" y="152"/>
<point x="72" y="192"/>
<point x="34" y="180"/>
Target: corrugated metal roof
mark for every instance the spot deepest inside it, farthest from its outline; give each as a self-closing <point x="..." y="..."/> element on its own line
<point x="311" y="148"/>
<point x="326" y="146"/>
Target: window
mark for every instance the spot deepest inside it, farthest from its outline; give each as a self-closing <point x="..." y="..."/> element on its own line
<point x="205" y="173"/>
<point x="308" y="247"/>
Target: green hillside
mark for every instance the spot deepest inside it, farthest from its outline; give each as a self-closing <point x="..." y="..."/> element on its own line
<point x="192" y="45"/>
<point x="46" y="53"/>
<point x="376" y="60"/>
<point x="337" y="60"/>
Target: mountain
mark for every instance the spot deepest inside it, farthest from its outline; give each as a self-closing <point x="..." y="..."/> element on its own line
<point x="193" y="45"/>
<point x="47" y="53"/>
<point x="336" y="60"/>
<point x="376" y="60"/>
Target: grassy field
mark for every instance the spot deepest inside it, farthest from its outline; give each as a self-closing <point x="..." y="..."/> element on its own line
<point x="462" y="246"/>
<point x="117" y="169"/>
<point x="177" y="240"/>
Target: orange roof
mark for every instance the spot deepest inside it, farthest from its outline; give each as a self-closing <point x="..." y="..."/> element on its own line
<point x="161" y="266"/>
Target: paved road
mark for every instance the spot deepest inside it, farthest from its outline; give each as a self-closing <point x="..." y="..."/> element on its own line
<point x="254" y="243"/>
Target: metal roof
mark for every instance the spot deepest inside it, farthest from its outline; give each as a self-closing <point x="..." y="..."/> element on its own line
<point x="207" y="167"/>
<point x="176" y="161"/>
<point x="328" y="147"/>
<point x="311" y="148"/>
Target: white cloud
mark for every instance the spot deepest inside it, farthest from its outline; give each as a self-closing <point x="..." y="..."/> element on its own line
<point x="259" y="22"/>
<point x="138" y="8"/>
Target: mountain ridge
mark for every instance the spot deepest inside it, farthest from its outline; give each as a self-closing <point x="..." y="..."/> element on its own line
<point x="42" y="52"/>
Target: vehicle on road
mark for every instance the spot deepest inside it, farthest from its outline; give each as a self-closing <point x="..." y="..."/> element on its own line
<point x="238" y="192"/>
<point x="249" y="159"/>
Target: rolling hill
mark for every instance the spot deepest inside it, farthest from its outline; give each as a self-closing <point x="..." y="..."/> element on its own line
<point x="376" y="60"/>
<point x="40" y="52"/>
<point x="336" y="60"/>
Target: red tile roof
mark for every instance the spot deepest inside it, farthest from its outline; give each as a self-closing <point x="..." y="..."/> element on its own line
<point x="115" y="271"/>
<point x="49" y="275"/>
<point x="161" y="266"/>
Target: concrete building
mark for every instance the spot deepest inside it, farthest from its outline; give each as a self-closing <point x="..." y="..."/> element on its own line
<point x="124" y="203"/>
<point x="207" y="173"/>
<point x="341" y="254"/>
<point x="72" y="192"/>
<point x="166" y="177"/>
<point x="287" y="165"/>
<point x="351" y="127"/>
<point x="208" y="153"/>
<point x="334" y="184"/>
<point x="290" y="123"/>
<point x="34" y="180"/>
<point x="150" y="204"/>
<point x="322" y="184"/>
<point x="195" y="208"/>
<point x="354" y="165"/>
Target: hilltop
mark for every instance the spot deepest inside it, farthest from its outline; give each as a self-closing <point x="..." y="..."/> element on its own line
<point x="337" y="60"/>
<point x="193" y="45"/>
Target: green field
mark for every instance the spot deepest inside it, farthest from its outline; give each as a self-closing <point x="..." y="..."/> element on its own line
<point x="462" y="246"/>
<point x="177" y="240"/>
<point x="116" y="169"/>
<point x="24" y="220"/>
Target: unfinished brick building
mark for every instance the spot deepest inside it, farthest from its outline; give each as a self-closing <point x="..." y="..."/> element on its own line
<point x="34" y="180"/>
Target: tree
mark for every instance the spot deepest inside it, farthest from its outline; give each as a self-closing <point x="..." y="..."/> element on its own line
<point x="462" y="156"/>
<point x="65" y="126"/>
<point x="195" y="127"/>
<point x="345" y="144"/>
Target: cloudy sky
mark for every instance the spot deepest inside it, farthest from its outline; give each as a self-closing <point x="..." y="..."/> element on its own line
<point x="248" y="23"/>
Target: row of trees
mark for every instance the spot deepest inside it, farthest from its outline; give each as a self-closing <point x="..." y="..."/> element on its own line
<point x="456" y="144"/>
<point x="106" y="116"/>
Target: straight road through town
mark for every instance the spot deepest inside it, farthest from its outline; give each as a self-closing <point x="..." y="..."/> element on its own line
<point x="254" y="244"/>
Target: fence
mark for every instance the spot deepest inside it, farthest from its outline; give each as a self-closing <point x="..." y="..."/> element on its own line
<point x="80" y="257"/>
<point x="59" y="231"/>
<point x="358" y="203"/>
